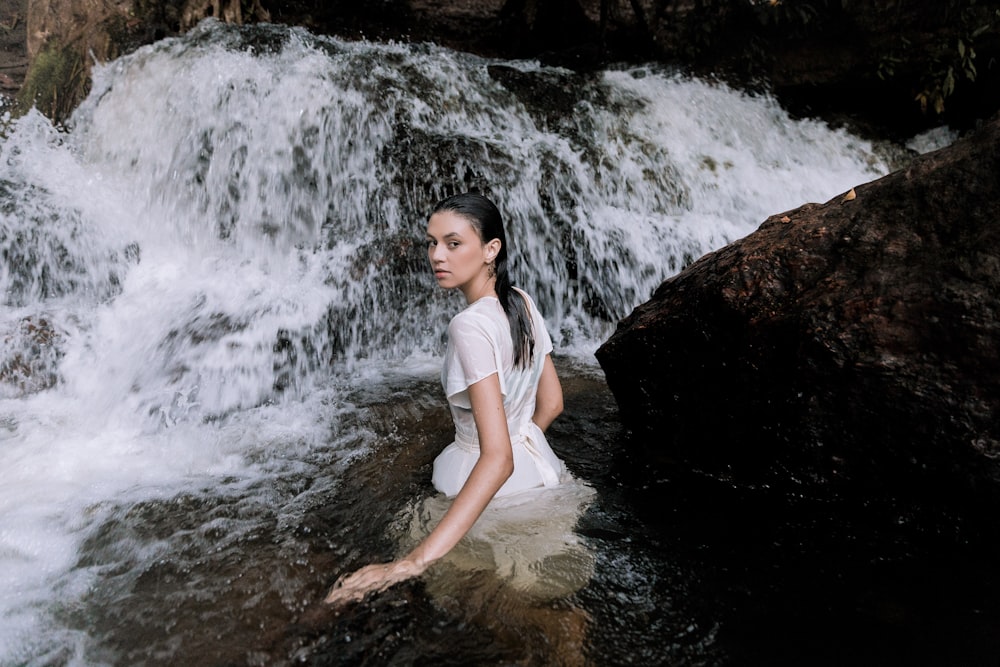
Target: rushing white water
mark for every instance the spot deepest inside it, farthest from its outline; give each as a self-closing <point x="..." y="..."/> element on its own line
<point x="228" y="236"/>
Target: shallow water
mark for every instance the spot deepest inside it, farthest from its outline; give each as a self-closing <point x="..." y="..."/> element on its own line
<point x="687" y="570"/>
<point x="236" y="582"/>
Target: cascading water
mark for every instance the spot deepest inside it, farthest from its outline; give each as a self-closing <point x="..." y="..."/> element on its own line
<point x="202" y="272"/>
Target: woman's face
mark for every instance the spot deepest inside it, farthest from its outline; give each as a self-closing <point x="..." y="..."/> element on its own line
<point x="458" y="256"/>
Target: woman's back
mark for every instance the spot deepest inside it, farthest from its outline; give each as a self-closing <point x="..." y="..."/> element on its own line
<point x="479" y="344"/>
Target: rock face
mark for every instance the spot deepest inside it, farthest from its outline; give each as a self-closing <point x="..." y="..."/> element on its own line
<point x="848" y="346"/>
<point x="13" y="46"/>
<point x="857" y="63"/>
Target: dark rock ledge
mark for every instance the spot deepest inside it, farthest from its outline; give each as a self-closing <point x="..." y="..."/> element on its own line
<point x="846" y="348"/>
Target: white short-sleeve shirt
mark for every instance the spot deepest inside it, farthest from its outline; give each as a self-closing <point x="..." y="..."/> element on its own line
<point x="480" y="344"/>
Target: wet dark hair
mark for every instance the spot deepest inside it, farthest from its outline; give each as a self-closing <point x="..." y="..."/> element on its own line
<point x="485" y="218"/>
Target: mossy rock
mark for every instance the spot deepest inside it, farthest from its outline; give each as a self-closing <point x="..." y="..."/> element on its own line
<point x="55" y="83"/>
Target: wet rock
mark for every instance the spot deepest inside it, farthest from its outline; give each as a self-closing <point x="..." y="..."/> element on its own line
<point x="851" y="346"/>
<point x="29" y="357"/>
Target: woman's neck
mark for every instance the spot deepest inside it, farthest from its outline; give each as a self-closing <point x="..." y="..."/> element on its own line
<point x="488" y="288"/>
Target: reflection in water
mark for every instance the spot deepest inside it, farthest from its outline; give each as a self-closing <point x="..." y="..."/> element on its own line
<point x="527" y="540"/>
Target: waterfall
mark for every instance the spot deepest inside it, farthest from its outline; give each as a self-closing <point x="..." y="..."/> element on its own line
<point x="228" y="236"/>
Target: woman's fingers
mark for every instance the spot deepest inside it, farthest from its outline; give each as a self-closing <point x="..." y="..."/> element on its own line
<point x="370" y="578"/>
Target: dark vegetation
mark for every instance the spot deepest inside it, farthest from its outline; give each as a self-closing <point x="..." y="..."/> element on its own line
<point x="882" y="67"/>
<point x="896" y="66"/>
<point x="890" y="67"/>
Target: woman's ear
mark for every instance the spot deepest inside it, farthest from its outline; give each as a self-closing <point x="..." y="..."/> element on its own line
<point x="492" y="250"/>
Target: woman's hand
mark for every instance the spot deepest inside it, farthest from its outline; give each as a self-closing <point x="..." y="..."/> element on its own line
<point x="371" y="578"/>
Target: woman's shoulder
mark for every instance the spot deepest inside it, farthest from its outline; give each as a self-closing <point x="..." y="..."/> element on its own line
<point x="527" y="298"/>
<point x="477" y="316"/>
<point x="542" y="339"/>
<point x="533" y="312"/>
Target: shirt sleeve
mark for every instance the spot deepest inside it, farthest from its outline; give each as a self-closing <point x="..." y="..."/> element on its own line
<point x="473" y="354"/>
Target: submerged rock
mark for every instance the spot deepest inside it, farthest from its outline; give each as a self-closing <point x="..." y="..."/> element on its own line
<point x="851" y="346"/>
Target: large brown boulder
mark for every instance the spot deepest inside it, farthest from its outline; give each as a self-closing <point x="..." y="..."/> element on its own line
<point x="846" y="347"/>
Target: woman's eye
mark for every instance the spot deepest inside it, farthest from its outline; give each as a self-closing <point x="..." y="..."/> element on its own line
<point x="453" y="244"/>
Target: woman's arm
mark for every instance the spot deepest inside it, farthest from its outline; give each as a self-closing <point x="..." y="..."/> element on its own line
<point x="494" y="467"/>
<point x="549" y="400"/>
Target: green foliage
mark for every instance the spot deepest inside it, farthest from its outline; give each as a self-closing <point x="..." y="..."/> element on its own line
<point x="56" y="82"/>
<point x="891" y="61"/>
<point x="952" y="56"/>
<point x="925" y="47"/>
<point x="752" y="27"/>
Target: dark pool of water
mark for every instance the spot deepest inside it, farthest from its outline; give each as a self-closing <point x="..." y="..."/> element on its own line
<point x="688" y="570"/>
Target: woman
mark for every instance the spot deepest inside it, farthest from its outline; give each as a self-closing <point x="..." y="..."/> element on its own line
<point x="501" y="385"/>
